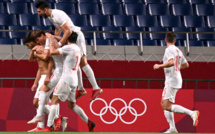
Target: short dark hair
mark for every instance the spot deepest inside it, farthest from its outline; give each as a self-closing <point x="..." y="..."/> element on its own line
<point x="36" y="33"/>
<point x="41" y="4"/>
<point x="170" y="37"/>
<point x="27" y="38"/>
<point x="73" y="37"/>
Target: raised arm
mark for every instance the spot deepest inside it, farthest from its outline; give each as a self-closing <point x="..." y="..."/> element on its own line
<point x="53" y="50"/>
<point x="44" y="55"/>
<point x="31" y="56"/>
<point x="66" y="33"/>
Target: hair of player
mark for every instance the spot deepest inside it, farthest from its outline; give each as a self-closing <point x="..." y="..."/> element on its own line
<point x="27" y="39"/>
<point x="170" y="37"/>
<point x="41" y="4"/>
<point x="37" y="33"/>
<point x="73" y="37"/>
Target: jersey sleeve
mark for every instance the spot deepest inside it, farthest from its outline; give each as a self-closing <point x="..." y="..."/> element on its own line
<point x="47" y="44"/>
<point x="60" y="19"/>
<point x="183" y="60"/>
<point x="169" y="54"/>
<point x="63" y="50"/>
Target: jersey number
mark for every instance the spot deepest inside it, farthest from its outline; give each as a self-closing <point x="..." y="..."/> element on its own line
<point x="75" y="63"/>
<point x="177" y="62"/>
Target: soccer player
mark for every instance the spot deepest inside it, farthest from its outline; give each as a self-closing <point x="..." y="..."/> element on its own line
<point x="66" y="87"/>
<point x="64" y="24"/>
<point x="173" y="62"/>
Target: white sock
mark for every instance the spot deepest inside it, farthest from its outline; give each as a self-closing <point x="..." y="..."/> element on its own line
<point x="41" y="124"/>
<point x="170" y="119"/>
<point x="81" y="113"/>
<point x="89" y="73"/>
<point x="42" y="102"/>
<point x="57" y="111"/>
<point x="51" y="115"/>
<point x="182" y="110"/>
<point x="80" y="80"/>
<point x="47" y="109"/>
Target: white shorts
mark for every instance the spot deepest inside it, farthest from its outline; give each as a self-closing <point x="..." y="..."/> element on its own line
<point x="81" y="42"/>
<point x="41" y="82"/>
<point x="65" y="91"/>
<point x="169" y="93"/>
<point x="53" y="81"/>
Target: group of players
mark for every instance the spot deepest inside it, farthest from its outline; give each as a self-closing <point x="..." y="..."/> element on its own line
<point x="60" y="60"/>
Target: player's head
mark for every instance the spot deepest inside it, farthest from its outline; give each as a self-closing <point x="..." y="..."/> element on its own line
<point x="42" y="8"/>
<point x="170" y="37"/>
<point x="38" y="36"/>
<point x="73" y="37"/>
<point x="28" y="41"/>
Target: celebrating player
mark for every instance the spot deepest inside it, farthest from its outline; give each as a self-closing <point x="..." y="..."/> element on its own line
<point x="173" y="62"/>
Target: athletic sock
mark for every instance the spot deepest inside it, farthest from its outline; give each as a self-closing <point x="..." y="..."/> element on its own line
<point x="42" y="101"/>
<point x="81" y="113"/>
<point x="91" y="77"/>
<point x="47" y="109"/>
<point x="170" y="119"/>
<point x="41" y="124"/>
<point x="182" y="110"/>
<point x="57" y="111"/>
<point x="51" y="115"/>
<point x="80" y="80"/>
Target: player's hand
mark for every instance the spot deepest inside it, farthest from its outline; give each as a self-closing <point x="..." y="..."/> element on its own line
<point x="156" y="66"/>
<point x="34" y="87"/>
<point x="46" y="81"/>
<point x="49" y="36"/>
<point x="38" y="49"/>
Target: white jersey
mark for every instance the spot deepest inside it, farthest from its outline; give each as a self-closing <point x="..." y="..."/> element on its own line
<point x="71" y="55"/>
<point x="173" y="74"/>
<point x="58" y="59"/>
<point x="59" y="17"/>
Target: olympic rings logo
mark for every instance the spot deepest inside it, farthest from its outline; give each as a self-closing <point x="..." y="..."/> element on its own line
<point x="121" y="112"/>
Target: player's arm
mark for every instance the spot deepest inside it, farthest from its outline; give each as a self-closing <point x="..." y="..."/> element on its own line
<point x="31" y="56"/>
<point x="66" y="33"/>
<point x="38" y="76"/>
<point x="169" y="63"/>
<point x="52" y="46"/>
<point x="49" y="73"/>
<point x="43" y="56"/>
<point x="58" y="38"/>
<point x="184" y="66"/>
<point x="57" y="32"/>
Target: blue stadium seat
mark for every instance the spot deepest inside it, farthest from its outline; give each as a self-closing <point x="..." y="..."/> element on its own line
<point x="199" y="1"/>
<point x="182" y="36"/>
<point x="182" y="9"/>
<point x="110" y="1"/>
<point x="41" y="27"/>
<point x="194" y="21"/>
<point x="170" y="21"/>
<point x="154" y="1"/>
<point x="88" y="8"/>
<point x="17" y="35"/>
<point x="210" y="43"/>
<point x="2" y="8"/>
<point x="29" y="20"/>
<point x="2" y="34"/>
<point x="147" y="21"/>
<point x="90" y="35"/>
<point x="134" y="35"/>
<point x="123" y="21"/>
<point x="213" y="2"/>
<point x="33" y="8"/>
<point x="68" y="8"/>
<point x="112" y="35"/>
<point x="194" y="43"/>
<point x="135" y="9"/>
<point x="88" y="1"/>
<point x="79" y="20"/>
<point x="100" y="20"/>
<point x="101" y="42"/>
<point x="177" y="1"/>
<point x="163" y="43"/>
<point x="155" y="36"/>
<point x="205" y="9"/>
<point x="17" y="8"/>
<point x="132" y="1"/>
<point x="205" y="36"/>
<point x="47" y="22"/>
<point x="117" y="42"/>
<point x="8" y="19"/>
<point x="72" y="1"/>
<point x="111" y="9"/>
<point x="8" y="41"/>
<point x="148" y="43"/>
<point x="210" y="21"/>
<point x="24" y="1"/>
<point x="3" y="0"/>
<point x="158" y="9"/>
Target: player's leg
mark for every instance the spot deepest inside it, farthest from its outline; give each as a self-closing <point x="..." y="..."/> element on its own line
<point x="81" y="91"/>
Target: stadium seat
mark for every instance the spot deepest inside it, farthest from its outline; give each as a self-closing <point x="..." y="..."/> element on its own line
<point x="101" y="42"/>
<point x="163" y="43"/>
<point x="194" y="43"/>
<point x="110" y="1"/>
<point x="154" y="1"/>
<point x="47" y="22"/>
<point x="210" y="43"/>
<point x="205" y="9"/>
<point x="170" y="21"/>
<point x="29" y="20"/>
<point x="8" y="19"/>
<point x="100" y="20"/>
<point x="14" y="8"/>
<point x="17" y="35"/>
<point x="182" y="9"/>
<point x="148" y="43"/>
<point x="158" y="9"/>
<point x="213" y="2"/>
<point x="88" y="1"/>
<point x="68" y="8"/>
<point x="135" y="9"/>
<point x="134" y="35"/>
<point x="2" y="8"/>
<point x="33" y="8"/>
<point x="24" y="1"/>
<point x="117" y="42"/>
<point x="155" y="36"/>
<point x="199" y="1"/>
<point x="7" y="41"/>
<point x="111" y="9"/>
<point x="132" y="1"/>
<point x="177" y="1"/>
<point x="72" y="1"/>
<point x="2" y="34"/>
<point x="112" y="35"/>
<point x="123" y="21"/>
<point x="205" y="36"/>
<point x="182" y="36"/>
<point x="194" y="21"/>
<point x="79" y="20"/>
<point x="147" y="21"/>
<point x="88" y="8"/>
<point x="41" y="27"/>
<point x="90" y="35"/>
<point x="3" y="0"/>
<point x="210" y="21"/>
